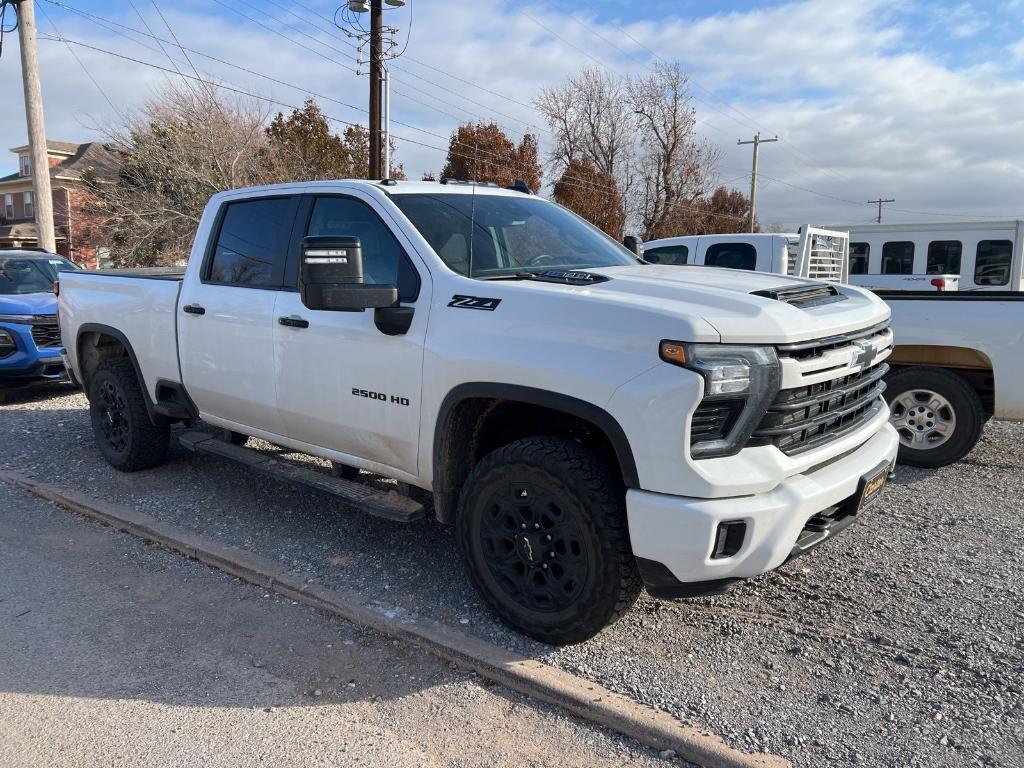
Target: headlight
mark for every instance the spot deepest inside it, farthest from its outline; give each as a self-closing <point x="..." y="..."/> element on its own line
<point x="17" y="318"/>
<point x="7" y="345"/>
<point x="739" y="384"/>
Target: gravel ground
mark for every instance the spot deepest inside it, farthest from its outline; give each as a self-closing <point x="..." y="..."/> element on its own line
<point x="120" y="654"/>
<point x="899" y="643"/>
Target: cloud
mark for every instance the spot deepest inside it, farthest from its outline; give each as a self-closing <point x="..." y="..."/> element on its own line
<point x="863" y="112"/>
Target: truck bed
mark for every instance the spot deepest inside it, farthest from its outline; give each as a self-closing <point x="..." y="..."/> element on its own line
<point x="979" y="330"/>
<point x="137" y="306"/>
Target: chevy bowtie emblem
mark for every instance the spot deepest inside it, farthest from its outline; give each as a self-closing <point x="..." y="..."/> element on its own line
<point x="864" y="354"/>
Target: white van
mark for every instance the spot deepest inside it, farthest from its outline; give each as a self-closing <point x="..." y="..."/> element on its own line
<point x="986" y="255"/>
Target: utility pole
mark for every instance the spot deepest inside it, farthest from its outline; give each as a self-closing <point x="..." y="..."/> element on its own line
<point x="42" y="198"/>
<point x="880" y="201"/>
<point x="376" y="65"/>
<point x="757" y="141"/>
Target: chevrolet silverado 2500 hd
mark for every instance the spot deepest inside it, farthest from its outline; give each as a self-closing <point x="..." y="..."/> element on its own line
<point x="589" y="422"/>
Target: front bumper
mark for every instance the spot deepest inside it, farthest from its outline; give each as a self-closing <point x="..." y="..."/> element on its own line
<point x="29" y="363"/>
<point x="674" y="537"/>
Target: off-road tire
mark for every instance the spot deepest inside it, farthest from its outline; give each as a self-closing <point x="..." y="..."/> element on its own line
<point x="964" y="401"/>
<point x="590" y="491"/>
<point x="144" y="443"/>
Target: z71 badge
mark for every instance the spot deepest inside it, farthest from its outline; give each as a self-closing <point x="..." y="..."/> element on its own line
<point x="474" y="302"/>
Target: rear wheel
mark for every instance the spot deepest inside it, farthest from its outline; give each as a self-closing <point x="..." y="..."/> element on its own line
<point x="542" y="528"/>
<point x="937" y="414"/>
<point x="124" y="433"/>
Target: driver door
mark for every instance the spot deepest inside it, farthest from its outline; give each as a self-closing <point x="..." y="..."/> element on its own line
<point x="343" y="384"/>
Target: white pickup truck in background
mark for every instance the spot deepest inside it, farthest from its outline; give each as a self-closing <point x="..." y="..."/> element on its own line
<point x="590" y="423"/>
<point x="958" y="361"/>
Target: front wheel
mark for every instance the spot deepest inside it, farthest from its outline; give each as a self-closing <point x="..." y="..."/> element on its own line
<point x="937" y="414"/>
<point x="542" y="528"/>
<point x="125" y="435"/>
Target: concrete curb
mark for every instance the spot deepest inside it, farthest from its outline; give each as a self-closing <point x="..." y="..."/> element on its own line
<point x="583" y="698"/>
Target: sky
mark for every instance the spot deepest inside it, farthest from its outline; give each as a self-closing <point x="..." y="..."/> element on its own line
<point x="921" y="101"/>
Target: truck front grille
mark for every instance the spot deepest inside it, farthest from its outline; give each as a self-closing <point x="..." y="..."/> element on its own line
<point x="805" y="418"/>
<point x="46" y="334"/>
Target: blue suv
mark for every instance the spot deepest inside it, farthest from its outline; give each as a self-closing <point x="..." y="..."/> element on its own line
<point x="30" y="343"/>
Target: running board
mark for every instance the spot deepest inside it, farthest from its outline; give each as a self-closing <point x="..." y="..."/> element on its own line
<point x="389" y="505"/>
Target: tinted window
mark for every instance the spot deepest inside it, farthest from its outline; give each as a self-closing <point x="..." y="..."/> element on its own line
<point x="731" y="255"/>
<point x="384" y="261"/>
<point x="668" y="254"/>
<point x="508" y="233"/>
<point x="992" y="262"/>
<point x="859" y="253"/>
<point x="898" y="258"/>
<point x="944" y="257"/>
<point x="251" y="244"/>
<point x="35" y="275"/>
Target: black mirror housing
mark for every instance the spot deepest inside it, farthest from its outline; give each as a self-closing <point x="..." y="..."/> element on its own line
<point x="633" y="243"/>
<point x="331" y="277"/>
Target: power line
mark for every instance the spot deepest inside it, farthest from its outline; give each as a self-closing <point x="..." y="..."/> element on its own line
<point x="568" y="180"/>
<point x="81" y="64"/>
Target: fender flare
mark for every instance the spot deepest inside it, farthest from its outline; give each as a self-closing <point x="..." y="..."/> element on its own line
<point x="541" y="397"/>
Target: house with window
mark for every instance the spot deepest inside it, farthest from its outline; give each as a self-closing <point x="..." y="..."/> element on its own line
<point x="78" y="238"/>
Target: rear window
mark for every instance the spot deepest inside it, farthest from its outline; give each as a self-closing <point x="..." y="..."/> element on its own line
<point x="731" y="256"/>
<point x="859" y="253"/>
<point x="992" y="262"/>
<point x="667" y="254"/>
<point x="944" y="257"/>
<point x="898" y="258"/>
<point x="252" y="242"/>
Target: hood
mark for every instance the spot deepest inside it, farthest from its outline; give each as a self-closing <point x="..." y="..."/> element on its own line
<point x="28" y="304"/>
<point x="743" y="307"/>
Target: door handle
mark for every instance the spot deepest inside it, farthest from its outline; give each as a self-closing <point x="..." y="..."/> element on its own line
<point x="194" y="309"/>
<point x="293" y="322"/>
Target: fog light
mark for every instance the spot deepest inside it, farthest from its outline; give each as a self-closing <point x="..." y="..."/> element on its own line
<point x="729" y="539"/>
<point x="7" y="345"/>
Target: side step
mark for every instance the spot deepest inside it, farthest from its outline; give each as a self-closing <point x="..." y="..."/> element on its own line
<point x="389" y="505"/>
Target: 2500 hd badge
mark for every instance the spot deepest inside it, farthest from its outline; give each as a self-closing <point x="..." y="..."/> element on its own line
<point x="370" y="395"/>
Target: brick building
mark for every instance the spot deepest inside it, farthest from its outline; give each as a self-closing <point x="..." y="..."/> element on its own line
<point x="77" y="237"/>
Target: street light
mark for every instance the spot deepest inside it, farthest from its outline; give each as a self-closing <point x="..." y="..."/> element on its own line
<point x="359" y="6"/>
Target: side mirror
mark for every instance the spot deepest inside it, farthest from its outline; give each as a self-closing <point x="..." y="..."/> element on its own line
<point x="632" y="242"/>
<point x="331" y="277"/>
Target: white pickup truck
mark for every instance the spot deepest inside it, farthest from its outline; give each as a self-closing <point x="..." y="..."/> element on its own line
<point x="958" y="361"/>
<point x="589" y="422"/>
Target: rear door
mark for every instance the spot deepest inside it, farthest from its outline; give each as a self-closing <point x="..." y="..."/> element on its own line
<point x="343" y="384"/>
<point x="226" y="316"/>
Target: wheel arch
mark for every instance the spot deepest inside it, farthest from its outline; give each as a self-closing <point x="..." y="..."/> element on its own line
<point x="971" y="365"/>
<point x="477" y="417"/>
<point x="97" y="342"/>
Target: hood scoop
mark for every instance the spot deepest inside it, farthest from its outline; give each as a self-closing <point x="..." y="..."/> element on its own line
<point x="804" y="296"/>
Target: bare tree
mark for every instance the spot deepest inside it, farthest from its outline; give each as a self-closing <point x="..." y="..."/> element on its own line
<point x="183" y="146"/>
<point x="591" y="120"/>
<point x="639" y="134"/>
<point x="674" y="164"/>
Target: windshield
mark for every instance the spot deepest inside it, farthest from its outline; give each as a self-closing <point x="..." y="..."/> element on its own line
<point x="510" y="235"/>
<point x="20" y="275"/>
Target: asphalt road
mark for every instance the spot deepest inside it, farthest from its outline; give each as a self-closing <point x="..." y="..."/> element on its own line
<point x="900" y="643"/>
<point x="117" y="654"/>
